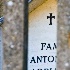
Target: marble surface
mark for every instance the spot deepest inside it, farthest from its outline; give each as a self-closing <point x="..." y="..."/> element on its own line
<point x="40" y="32"/>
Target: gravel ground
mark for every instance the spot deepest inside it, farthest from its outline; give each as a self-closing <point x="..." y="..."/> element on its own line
<point x="63" y="61"/>
<point x="13" y="34"/>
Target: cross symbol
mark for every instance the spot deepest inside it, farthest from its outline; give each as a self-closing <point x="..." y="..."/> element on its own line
<point x="50" y="18"/>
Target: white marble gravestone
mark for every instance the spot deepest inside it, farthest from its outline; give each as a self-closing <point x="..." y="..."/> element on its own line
<point x="39" y="56"/>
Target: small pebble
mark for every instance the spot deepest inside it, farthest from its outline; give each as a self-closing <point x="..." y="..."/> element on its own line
<point x="12" y="46"/>
<point x="15" y="32"/>
<point x="10" y="3"/>
<point x="66" y="64"/>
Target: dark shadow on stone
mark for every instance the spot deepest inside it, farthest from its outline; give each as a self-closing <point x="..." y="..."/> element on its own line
<point x="25" y="46"/>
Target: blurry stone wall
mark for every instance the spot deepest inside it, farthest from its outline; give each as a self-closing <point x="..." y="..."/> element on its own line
<point x="1" y="8"/>
<point x="13" y="35"/>
<point x="63" y="50"/>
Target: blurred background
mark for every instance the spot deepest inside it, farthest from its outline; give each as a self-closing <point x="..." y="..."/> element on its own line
<point x="63" y="50"/>
<point x="13" y="34"/>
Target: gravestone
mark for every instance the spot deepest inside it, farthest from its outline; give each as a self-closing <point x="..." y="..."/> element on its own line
<point x="42" y="37"/>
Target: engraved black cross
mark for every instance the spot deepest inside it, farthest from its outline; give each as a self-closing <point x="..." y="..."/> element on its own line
<point x="50" y="18"/>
